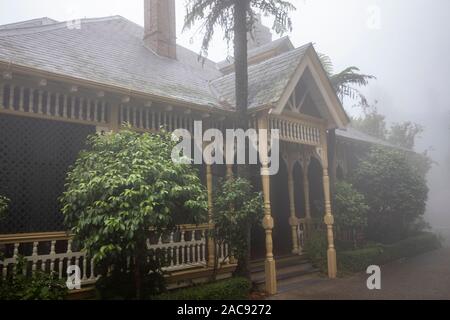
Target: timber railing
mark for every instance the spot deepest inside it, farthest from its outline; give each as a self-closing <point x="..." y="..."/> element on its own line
<point x="183" y="249"/>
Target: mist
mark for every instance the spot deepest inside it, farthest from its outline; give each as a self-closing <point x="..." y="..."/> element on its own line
<point x="404" y="43"/>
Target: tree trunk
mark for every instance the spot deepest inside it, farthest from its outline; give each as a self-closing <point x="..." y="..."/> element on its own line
<point x="241" y="87"/>
<point x="240" y="60"/>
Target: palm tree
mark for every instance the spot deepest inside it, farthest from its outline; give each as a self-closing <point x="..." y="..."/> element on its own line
<point x="237" y="19"/>
<point x="345" y="81"/>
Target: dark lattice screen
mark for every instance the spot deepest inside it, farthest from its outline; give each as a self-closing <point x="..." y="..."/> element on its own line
<point x="34" y="158"/>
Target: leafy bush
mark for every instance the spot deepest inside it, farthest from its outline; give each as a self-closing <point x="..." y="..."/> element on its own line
<point x="394" y="191"/>
<point x="409" y="247"/>
<point x="236" y="209"/>
<point x="350" y="209"/>
<point x="230" y="289"/>
<point x="122" y="187"/>
<point x="39" y="286"/>
<point x="359" y="260"/>
<point x="316" y="249"/>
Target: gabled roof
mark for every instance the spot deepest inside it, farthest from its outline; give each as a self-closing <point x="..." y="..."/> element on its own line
<point x="109" y="51"/>
<point x="267" y="79"/>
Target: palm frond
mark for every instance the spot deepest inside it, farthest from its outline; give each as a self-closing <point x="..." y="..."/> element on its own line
<point x="219" y="13"/>
<point x="345" y="81"/>
<point x="326" y="63"/>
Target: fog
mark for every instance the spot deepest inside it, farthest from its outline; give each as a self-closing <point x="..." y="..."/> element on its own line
<point x="404" y="43"/>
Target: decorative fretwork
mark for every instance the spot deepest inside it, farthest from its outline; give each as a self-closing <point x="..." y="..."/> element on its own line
<point x="35" y="155"/>
<point x="41" y="102"/>
<point x="152" y="119"/>
<point x="294" y="131"/>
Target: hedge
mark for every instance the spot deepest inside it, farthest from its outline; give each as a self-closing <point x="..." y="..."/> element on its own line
<point x="359" y="260"/>
<point x="230" y="289"/>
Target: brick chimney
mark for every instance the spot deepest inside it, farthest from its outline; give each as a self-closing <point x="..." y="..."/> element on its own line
<point x="160" y="27"/>
<point x="260" y="34"/>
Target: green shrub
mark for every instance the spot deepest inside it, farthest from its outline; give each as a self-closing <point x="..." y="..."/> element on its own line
<point x="230" y="289"/>
<point x="237" y="208"/>
<point x="316" y="250"/>
<point x="125" y="189"/>
<point x="410" y="247"/>
<point x="39" y="286"/>
<point x="359" y="260"/>
<point x="395" y="192"/>
<point x="350" y="207"/>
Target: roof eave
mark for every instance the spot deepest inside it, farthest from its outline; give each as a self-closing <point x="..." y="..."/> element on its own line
<point x="14" y="67"/>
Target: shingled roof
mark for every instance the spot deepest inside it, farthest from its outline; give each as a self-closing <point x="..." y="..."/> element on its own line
<point x="110" y="51"/>
<point x="353" y="134"/>
<point x="267" y="80"/>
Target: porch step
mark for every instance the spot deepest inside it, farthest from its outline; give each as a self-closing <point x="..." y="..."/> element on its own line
<point x="290" y="270"/>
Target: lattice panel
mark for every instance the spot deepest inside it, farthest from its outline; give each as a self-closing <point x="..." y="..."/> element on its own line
<point x="34" y="159"/>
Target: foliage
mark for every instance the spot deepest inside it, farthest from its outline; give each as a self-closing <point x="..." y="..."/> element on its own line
<point x="350" y="208"/>
<point x="404" y="134"/>
<point x="371" y="123"/>
<point x="344" y="82"/>
<point x="316" y="249"/>
<point x="39" y="286"/>
<point x="236" y="209"/>
<point x="411" y="246"/>
<point x="221" y="14"/>
<point x="359" y="260"/>
<point x="230" y="289"/>
<point x="124" y="185"/>
<point x="395" y="193"/>
<point x="4" y="203"/>
<point x="421" y="162"/>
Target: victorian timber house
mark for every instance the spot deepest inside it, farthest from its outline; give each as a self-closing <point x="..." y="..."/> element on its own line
<point x="62" y="81"/>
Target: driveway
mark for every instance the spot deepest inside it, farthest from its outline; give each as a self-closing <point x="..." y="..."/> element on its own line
<point x="422" y="277"/>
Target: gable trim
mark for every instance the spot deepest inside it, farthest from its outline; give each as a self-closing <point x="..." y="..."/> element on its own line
<point x="334" y="106"/>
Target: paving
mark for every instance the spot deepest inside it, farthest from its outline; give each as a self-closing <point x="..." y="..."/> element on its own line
<point x="424" y="277"/>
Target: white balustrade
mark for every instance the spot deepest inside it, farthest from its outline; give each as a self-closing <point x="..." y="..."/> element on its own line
<point x="144" y="118"/>
<point x="296" y="131"/>
<point x="182" y="249"/>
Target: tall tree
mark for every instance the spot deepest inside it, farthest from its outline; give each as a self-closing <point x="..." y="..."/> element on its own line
<point x="237" y="19"/>
<point x="371" y="122"/>
<point x="405" y="134"/>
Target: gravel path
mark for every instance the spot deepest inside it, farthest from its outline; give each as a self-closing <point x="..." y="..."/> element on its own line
<point x="422" y="277"/>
